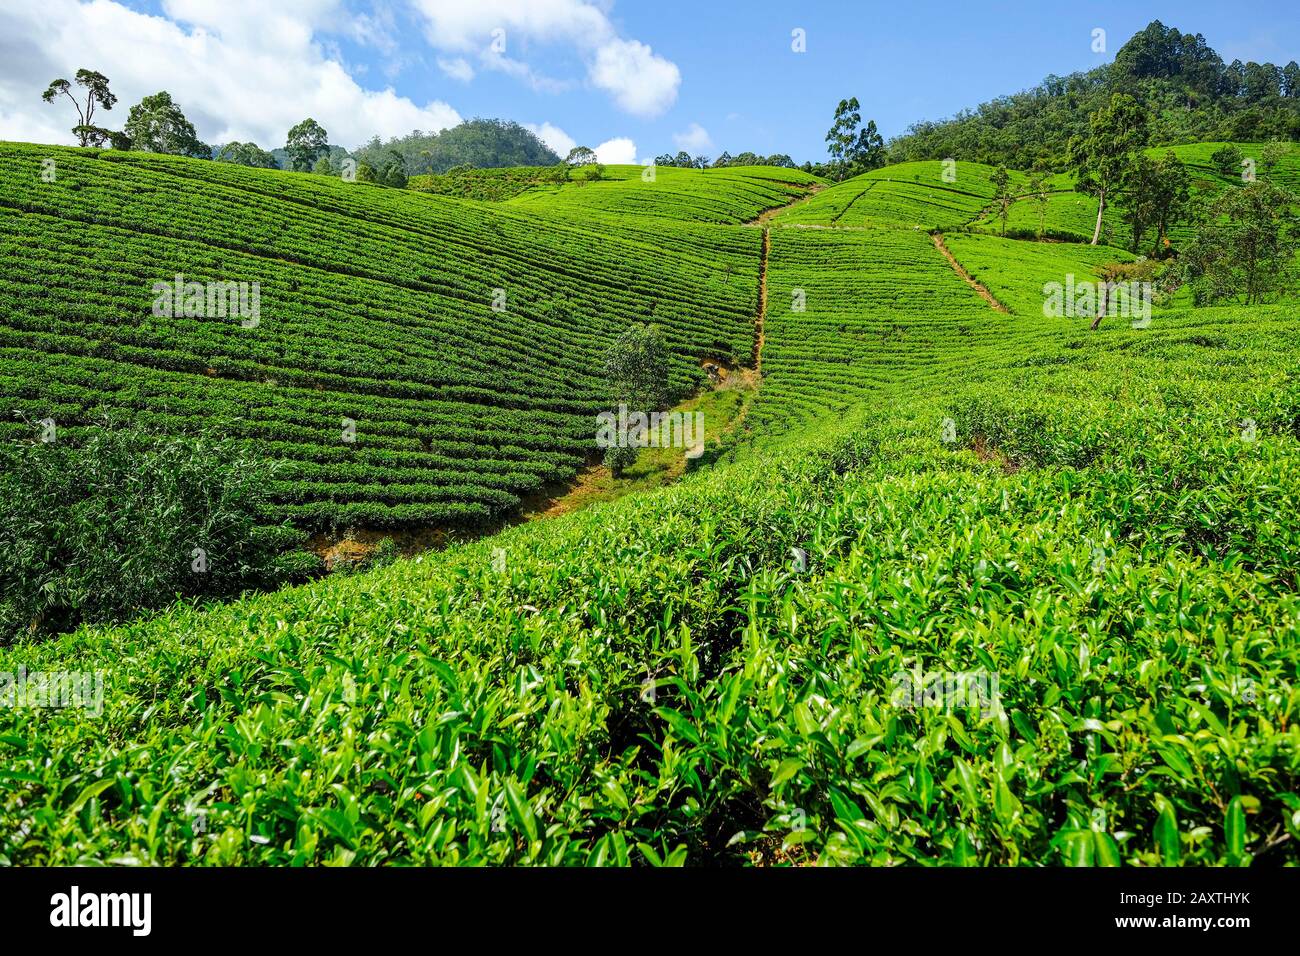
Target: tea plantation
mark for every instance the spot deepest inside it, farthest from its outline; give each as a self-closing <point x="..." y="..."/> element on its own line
<point x="935" y="478"/>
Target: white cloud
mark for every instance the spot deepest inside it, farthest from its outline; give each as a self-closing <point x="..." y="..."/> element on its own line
<point x="241" y="69"/>
<point x="554" y="137"/>
<point x="639" y="80"/>
<point x="458" y="68"/>
<point x="522" y="71"/>
<point x="468" y="26"/>
<point x="695" y="139"/>
<point x="619" y="151"/>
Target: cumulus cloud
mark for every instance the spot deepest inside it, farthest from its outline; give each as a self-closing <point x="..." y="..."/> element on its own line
<point x="695" y="139"/>
<point x="639" y="80"/>
<point x="619" y="151"/>
<point x="241" y="69"/>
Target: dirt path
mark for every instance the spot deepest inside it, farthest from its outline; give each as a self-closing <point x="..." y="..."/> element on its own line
<point x="966" y="276"/>
<point x="767" y="215"/>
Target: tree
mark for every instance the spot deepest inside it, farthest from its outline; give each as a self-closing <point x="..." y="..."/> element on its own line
<point x="682" y="160"/>
<point x="581" y="156"/>
<point x="323" y="167"/>
<point x="395" y="176"/>
<point x="1040" y="194"/>
<point x="97" y="94"/>
<point x="305" y="143"/>
<point x="478" y="143"/>
<point x="1103" y="158"/>
<point x="852" y="149"/>
<point x="843" y="134"/>
<point x="1272" y="154"/>
<point x="246" y="154"/>
<point x="1155" y="196"/>
<point x="1002" y="194"/>
<point x="1227" y="160"/>
<point x="366" y="173"/>
<point x="157" y="125"/>
<point x="1291" y="80"/>
<point x="636" y="371"/>
<point x="1245" y="249"/>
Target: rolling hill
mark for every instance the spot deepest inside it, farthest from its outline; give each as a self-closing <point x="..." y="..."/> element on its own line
<point x="935" y="478"/>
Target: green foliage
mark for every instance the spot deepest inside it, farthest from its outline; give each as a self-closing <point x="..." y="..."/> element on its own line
<point x="97" y="95"/>
<point x="853" y="147"/>
<point x="637" y="368"/>
<point x="1156" y="197"/>
<point x="478" y="143"/>
<point x="1103" y="160"/>
<point x="581" y="156"/>
<point x="376" y="306"/>
<point x="305" y="143"/>
<point x="1182" y="85"/>
<point x="129" y="521"/>
<point x="1245" y="250"/>
<point x="157" y="125"/>
<point x="1227" y="160"/>
<point x="394" y="176"/>
<point x="489" y="185"/>
<point x="246" y="154"/>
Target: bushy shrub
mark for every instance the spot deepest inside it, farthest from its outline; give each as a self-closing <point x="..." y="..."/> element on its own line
<point x="130" y="521"/>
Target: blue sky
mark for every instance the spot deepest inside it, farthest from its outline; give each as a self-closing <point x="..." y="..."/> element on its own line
<point x="634" y="77"/>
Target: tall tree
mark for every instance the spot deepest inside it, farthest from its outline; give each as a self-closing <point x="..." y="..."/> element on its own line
<point x="1002" y="194"/>
<point x="157" y="125"/>
<point x="581" y="156"/>
<point x="843" y="134"/>
<point x="305" y="143"/>
<point x="1245" y="249"/>
<point x="1103" y="158"/>
<point x="636" y="372"/>
<point x="853" y="147"/>
<point x="97" y="94"/>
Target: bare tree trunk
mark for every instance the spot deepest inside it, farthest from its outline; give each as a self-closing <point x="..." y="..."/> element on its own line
<point x="1101" y="207"/>
<point x="1104" y="306"/>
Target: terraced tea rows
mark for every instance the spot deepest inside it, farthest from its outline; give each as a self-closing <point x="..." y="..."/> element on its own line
<point x="375" y="307"/>
<point x="925" y="194"/>
<point x="851" y="312"/>
<point x="723" y="195"/>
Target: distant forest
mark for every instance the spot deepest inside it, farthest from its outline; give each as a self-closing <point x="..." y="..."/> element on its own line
<point x="1189" y="95"/>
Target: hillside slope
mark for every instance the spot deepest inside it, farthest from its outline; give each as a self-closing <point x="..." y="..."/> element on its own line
<point x="1106" y="525"/>
<point x="463" y="341"/>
